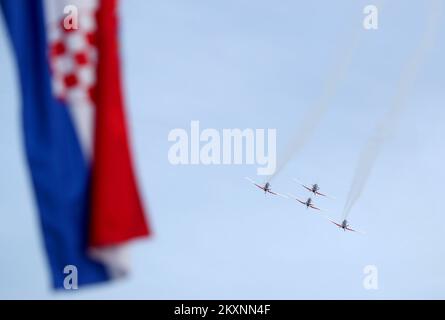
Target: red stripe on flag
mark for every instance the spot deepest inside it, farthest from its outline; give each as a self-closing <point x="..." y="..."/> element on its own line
<point x="117" y="211"/>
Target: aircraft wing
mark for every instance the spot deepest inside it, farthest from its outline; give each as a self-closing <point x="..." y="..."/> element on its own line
<point x="277" y="194"/>
<point x="337" y="224"/>
<point x="325" y="195"/>
<point x="349" y="229"/>
<point x="256" y="184"/>
<point x="303" y="185"/>
<point x="261" y="187"/>
<point x="314" y="207"/>
<point x="295" y="198"/>
<point x="300" y="201"/>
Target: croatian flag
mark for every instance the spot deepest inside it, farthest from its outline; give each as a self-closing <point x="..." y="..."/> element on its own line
<point x="75" y="134"/>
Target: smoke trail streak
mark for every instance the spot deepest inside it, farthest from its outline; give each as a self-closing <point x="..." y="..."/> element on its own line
<point x="313" y="117"/>
<point x="387" y="125"/>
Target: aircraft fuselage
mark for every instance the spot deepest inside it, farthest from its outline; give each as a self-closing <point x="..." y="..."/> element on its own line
<point x="315" y="188"/>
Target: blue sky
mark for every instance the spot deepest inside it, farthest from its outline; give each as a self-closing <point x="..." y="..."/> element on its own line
<point x="259" y="64"/>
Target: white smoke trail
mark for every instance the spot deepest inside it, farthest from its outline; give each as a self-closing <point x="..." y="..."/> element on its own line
<point x="387" y="125"/>
<point x="315" y="113"/>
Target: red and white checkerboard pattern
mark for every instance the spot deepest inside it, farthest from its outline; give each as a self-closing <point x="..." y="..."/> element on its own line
<point x="73" y="60"/>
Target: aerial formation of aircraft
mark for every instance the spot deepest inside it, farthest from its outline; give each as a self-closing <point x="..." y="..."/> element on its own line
<point x="314" y="189"/>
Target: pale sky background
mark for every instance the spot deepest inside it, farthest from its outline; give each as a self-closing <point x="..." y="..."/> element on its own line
<point x="259" y="64"/>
